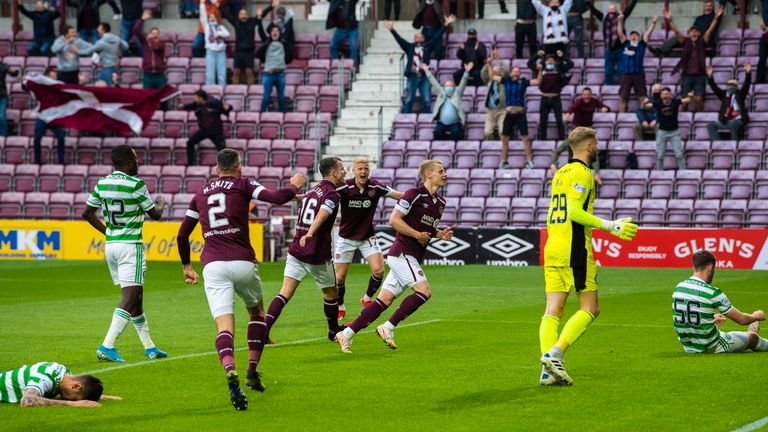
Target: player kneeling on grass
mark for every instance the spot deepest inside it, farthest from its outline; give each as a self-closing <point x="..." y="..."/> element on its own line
<point x="40" y="383"/>
<point x="695" y="307"/>
<point x="415" y="219"/>
<point x="229" y="263"/>
<point x="568" y="260"/>
<point x="359" y="201"/>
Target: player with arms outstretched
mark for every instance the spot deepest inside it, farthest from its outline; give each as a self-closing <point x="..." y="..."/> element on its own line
<point x="123" y="200"/>
<point x="696" y="310"/>
<point x="229" y="262"/>
<point x="415" y="219"/>
<point x="39" y="385"/>
<point x="359" y="199"/>
<point x="568" y="260"/>
<point x="310" y="252"/>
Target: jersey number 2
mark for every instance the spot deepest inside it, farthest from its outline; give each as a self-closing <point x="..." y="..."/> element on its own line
<point x="221" y="200"/>
<point x="309" y="212"/>
<point x="116" y="208"/>
<point x="559" y="204"/>
<point x="687" y="312"/>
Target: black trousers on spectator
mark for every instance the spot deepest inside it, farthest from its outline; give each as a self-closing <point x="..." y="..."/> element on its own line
<point x="481" y="8"/>
<point x="69" y="77"/>
<point x="522" y="32"/>
<point x="388" y="5"/>
<point x="448" y="132"/>
<point x="761" y="79"/>
<point x="217" y="138"/>
<point x="555" y="47"/>
<point x="551" y="104"/>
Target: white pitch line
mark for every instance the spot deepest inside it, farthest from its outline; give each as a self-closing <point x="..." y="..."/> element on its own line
<point x="202" y="354"/>
<point x="532" y="323"/>
<point x="755" y="425"/>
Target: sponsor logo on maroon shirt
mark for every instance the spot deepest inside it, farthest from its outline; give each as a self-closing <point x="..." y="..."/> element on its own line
<point x="424" y="213"/>
<point x="358" y="207"/>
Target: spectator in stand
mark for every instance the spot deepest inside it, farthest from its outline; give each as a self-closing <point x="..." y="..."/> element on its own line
<point x="481" y="8"/>
<point x="632" y="70"/>
<point x="514" y="87"/>
<point x="42" y="25"/>
<point x="189" y="9"/>
<point x="67" y="48"/>
<point x="472" y="51"/>
<point x="667" y="111"/>
<point x="702" y="23"/>
<point x="89" y="18"/>
<point x="341" y="16"/>
<point x="211" y="7"/>
<point x="554" y="24"/>
<point x="275" y="54"/>
<point x="5" y="70"/>
<point x="693" y="61"/>
<point x="108" y="47"/>
<point x="734" y="111"/>
<point x="153" y="64"/>
<point x="215" y="48"/>
<point x="613" y="46"/>
<point x="417" y="54"/>
<point x="208" y="112"/>
<point x="449" y="113"/>
<point x="554" y="78"/>
<point x="388" y="5"/>
<point x="576" y="25"/>
<point x="645" y="128"/>
<point x="761" y="79"/>
<point x="429" y="18"/>
<point x="492" y="74"/>
<point x="41" y="127"/>
<point x="282" y="18"/>
<point x="132" y="11"/>
<point x="525" y="28"/>
<point x="245" y="42"/>
<point x="581" y="112"/>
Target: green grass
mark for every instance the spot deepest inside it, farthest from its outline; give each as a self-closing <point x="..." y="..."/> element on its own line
<point x="473" y="366"/>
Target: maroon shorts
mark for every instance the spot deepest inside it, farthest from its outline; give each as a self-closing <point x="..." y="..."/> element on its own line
<point x="629" y="81"/>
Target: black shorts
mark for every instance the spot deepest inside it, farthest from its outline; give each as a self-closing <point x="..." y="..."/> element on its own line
<point x="244" y="59"/>
<point x="693" y="83"/>
<point x="632" y="81"/>
<point x="512" y="121"/>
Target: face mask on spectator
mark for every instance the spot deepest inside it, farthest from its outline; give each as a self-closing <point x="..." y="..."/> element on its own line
<point x="449" y="91"/>
<point x="550" y="66"/>
<point x="555" y="8"/>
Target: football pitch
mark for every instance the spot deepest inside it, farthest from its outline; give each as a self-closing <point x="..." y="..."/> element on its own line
<point x="467" y="360"/>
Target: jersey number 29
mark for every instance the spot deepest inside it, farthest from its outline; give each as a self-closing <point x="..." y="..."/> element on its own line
<point x="559" y="204"/>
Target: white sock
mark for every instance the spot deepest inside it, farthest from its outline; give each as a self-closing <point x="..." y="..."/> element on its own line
<point x="556" y="352"/>
<point x="366" y="298"/>
<point x="342" y="308"/>
<point x="142" y="328"/>
<point x="348" y="333"/>
<point x="762" y="345"/>
<point x="120" y="319"/>
<point x="388" y="325"/>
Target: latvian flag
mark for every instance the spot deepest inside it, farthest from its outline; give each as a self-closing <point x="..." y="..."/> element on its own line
<point x="95" y="109"/>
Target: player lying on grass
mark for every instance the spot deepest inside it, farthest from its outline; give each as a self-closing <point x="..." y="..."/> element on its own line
<point x="415" y="219"/>
<point x="359" y="201"/>
<point x="39" y="384"/>
<point x="695" y="307"/>
<point x="229" y="262"/>
<point x="569" y="263"/>
<point x="123" y="199"/>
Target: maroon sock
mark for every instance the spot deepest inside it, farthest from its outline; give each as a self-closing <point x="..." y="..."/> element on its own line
<point x="407" y="307"/>
<point x="257" y="335"/>
<point x="368" y="315"/>
<point x="225" y="346"/>
<point x="342" y="290"/>
<point x="331" y="310"/>
<point x="275" y="308"/>
<point x="373" y="286"/>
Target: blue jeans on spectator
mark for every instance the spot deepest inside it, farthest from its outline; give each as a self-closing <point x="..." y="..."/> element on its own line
<point x="576" y="25"/>
<point x="216" y="67"/>
<point x="40" y="128"/>
<point x="198" y="45"/>
<point x="188" y="7"/>
<point x="439" y="52"/>
<point x="273" y="80"/>
<point x="40" y="46"/>
<point x="339" y="35"/>
<point x="612" y="66"/>
<point x="421" y="83"/>
<point x="89" y="35"/>
<point x="3" y="117"/>
<point x="126" y="34"/>
<point x="105" y="74"/>
<point x="448" y="132"/>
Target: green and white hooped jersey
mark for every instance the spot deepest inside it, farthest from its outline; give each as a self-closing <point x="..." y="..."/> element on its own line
<point x="43" y="377"/>
<point x="694" y="305"/>
<point x="123" y="200"/>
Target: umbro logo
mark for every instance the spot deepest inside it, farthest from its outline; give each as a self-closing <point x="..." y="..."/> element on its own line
<point x="385" y="241"/>
<point x="446" y="248"/>
<point x="507" y="246"/>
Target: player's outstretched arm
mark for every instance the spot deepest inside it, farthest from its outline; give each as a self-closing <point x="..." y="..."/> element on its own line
<point x="396" y="194"/>
<point x="110" y="397"/>
<point x="282" y="196"/>
<point x="621" y="228"/>
<point x="397" y="221"/>
<point x="31" y="398"/>
<point x="742" y="318"/>
<point x="89" y="214"/>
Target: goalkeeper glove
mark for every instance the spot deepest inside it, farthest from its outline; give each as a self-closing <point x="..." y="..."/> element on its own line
<point x="621" y="228"/>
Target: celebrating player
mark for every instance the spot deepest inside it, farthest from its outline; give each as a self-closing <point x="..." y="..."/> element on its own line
<point x="40" y="383"/>
<point x="359" y="199"/>
<point x="695" y="307"/>
<point x="123" y="200"/>
<point x="568" y="260"/>
<point x="310" y="251"/>
<point x="415" y="219"/>
<point x="229" y="263"/>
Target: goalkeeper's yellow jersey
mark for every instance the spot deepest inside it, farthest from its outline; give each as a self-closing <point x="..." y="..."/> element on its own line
<point x="569" y="244"/>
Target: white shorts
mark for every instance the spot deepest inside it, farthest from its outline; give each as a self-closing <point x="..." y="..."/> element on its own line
<point x="323" y="274"/>
<point x="404" y="272"/>
<point x="732" y="342"/>
<point x="127" y="263"/>
<point x="225" y="278"/>
<point x="345" y="249"/>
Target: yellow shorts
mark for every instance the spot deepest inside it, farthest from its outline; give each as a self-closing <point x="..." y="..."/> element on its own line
<point x="565" y="279"/>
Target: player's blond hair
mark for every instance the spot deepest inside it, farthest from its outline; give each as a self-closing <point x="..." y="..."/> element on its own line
<point x="580" y="135"/>
<point x="360" y="160"/>
<point x="428" y="165"/>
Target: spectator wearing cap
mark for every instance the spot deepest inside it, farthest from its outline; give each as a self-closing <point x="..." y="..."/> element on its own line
<point x="448" y="112"/>
<point x="208" y="112"/>
<point x="472" y="51"/>
<point x="631" y="67"/>
<point x="42" y="27"/>
<point x="667" y="112"/>
<point x="429" y="18"/>
<point x="645" y="127"/>
<point x="613" y="46"/>
<point x="554" y="24"/>
<point x="734" y="114"/>
<point x="342" y="18"/>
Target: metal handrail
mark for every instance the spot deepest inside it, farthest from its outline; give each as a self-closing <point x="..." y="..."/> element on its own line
<point x="381" y="131"/>
<point x="341" y="83"/>
<point x="401" y="80"/>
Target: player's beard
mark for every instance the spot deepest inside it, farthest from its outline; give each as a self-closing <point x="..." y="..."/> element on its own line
<point x="134" y="168"/>
<point x="592" y="156"/>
